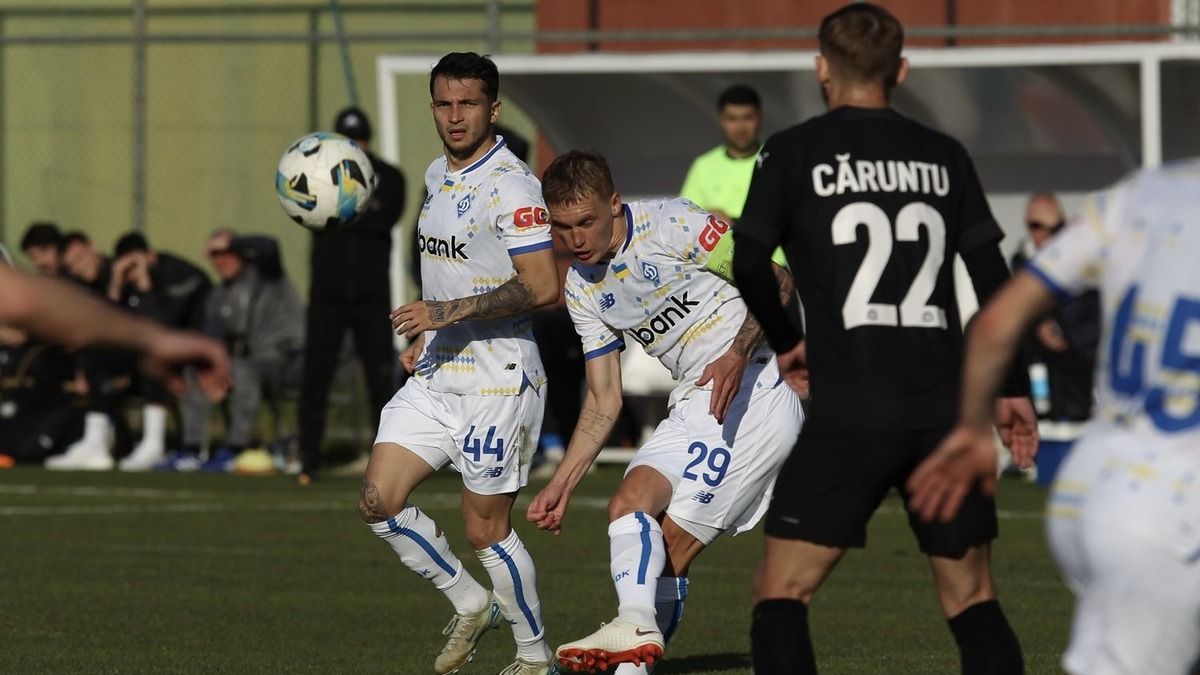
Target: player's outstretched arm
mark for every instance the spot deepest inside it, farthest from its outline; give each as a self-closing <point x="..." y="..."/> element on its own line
<point x="535" y="285"/>
<point x="600" y="409"/>
<point x="940" y="483"/>
<point x="60" y="313"/>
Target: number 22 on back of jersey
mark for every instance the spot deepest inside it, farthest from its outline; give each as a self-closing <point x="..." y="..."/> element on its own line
<point x="914" y="310"/>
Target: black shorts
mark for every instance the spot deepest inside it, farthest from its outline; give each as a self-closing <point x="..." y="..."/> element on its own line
<point x="834" y="481"/>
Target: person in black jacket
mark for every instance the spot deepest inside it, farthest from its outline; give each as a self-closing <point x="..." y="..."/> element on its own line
<point x="349" y="290"/>
<point x="171" y="291"/>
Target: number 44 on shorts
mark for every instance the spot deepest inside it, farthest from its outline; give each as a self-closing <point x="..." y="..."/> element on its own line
<point x="490" y="445"/>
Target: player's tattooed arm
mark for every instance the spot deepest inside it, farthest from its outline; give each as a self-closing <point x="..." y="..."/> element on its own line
<point x="512" y="297"/>
<point x="750" y="336"/>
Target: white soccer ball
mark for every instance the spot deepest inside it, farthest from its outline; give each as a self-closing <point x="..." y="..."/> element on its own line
<point x="324" y="181"/>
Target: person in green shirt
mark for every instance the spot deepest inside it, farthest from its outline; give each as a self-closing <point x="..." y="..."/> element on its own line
<point x="719" y="179"/>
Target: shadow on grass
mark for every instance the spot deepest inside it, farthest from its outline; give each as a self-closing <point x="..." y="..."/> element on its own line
<point x="705" y="663"/>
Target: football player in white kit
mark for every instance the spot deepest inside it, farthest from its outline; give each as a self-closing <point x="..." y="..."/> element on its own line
<point x="1124" y="512"/>
<point x="475" y="398"/>
<point x="657" y="271"/>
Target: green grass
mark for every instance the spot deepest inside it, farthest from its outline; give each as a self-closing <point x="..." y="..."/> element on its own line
<point x="163" y="573"/>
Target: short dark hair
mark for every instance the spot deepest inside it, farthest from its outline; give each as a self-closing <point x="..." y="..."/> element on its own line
<point x="739" y="94"/>
<point x="353" y="123"/>
<point x="575" y="176"/>
<point x="130" y="242"/>
<point x="41" y="233"/>
<point x="862" y="42"/>
<point x="73" y="237"/>
<point x="468" y="66"/>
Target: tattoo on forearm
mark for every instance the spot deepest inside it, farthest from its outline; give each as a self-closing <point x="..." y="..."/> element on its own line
<point x="748" y="337"/>
<point x="787" y="285"/>
<point x="512" y="297"/>
<point x="595" y="425"/>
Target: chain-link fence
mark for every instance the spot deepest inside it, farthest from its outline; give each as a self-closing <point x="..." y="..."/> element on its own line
<point x="169" y="116"/>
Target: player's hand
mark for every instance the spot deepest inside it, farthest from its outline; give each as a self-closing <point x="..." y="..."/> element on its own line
<point x="549" y="507"/>
<point x="941" y="482"/>
<point x="169" y="352"/>
<point x="408" y="359"/>
<point x="417" y="317"/>
<point x="1017" y="423"/>
<point x="793" y="366"/>
<point x="726" y="376"/>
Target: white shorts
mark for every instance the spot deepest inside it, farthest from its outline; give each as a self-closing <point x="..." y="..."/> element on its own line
<point x="1124" y="524"/>
<point x="488" y="439"/>
<point x="722" y="475"/>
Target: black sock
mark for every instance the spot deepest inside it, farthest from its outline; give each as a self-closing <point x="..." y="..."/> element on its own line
<point x="779" y="640"/>
<point x="986" y="643"/>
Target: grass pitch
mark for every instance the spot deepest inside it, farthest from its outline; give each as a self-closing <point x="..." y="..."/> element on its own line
<point x="186" y="573"/>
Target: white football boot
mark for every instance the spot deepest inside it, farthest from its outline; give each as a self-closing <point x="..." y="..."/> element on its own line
<point x="616" y="642"/>
<point x="151" y="450"/>
<point x="465" y="631"/>
<point x="523" y="667"/>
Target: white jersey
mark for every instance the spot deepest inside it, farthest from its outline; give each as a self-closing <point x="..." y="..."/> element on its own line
<point x="472" y="223"/>
<point x="1139" y="244"/>
<point x="657" y="290"/>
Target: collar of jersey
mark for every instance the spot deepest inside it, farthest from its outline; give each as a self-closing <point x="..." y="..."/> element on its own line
<point x="628" y="226"/>
<point x="500" y="143"/>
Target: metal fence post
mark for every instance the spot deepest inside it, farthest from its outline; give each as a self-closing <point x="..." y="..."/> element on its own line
<point x="139" y="115"/>
<point x="314" y="70"/>
<point x="493" y="26"/>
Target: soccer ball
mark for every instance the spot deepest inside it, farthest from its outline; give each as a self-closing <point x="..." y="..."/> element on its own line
<point x="324" y="181"/>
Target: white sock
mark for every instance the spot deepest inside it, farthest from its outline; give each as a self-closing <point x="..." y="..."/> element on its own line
<point x="514" y="582"/>
<point x="638" y="556"/>
<point x="423" y="548"/>
<point x="669" y="597"/>
<point x="154" y="426"/>
<point x="97" y="429"/>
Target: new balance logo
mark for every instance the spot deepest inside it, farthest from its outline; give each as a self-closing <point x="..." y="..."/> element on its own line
<point x="664" y="321"/>
<point x="703" y="497"/>
<point x="493" y="472"/>
<point x="607" y="301"/>
<point x="440" y="248"/>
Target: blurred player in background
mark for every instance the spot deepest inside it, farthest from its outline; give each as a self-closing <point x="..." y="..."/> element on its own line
<point x="475" y="399"/>
<point x="658" y="271"/>
<point x="719" y="179"/>
<point x="1124" y="513"/>
<point x="871" y="209"/>
<point x="349" y="291"/>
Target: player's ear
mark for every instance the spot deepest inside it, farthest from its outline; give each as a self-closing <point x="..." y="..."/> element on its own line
<point x="495" y="111"/>
<point x="615" y="204"/>
<point x="902" y="72"/>
<point x="822" y="66"/>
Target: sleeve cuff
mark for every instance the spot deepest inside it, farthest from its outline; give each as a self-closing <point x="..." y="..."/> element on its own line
<point x="530" y="248"/>
<point x="1054" y="287"/>
<point x="610" y="347"/>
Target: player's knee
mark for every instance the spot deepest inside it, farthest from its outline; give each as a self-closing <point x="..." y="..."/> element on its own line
<point x="371" y="505"/>
<point x="482" y="533"/>
<point x="621" y="505"/>
<point x="772" y="584"/>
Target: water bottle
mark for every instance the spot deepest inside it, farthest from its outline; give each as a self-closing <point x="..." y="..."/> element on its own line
<point x="1039" y="387"/>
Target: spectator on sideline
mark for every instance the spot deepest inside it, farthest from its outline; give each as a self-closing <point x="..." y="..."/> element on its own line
<point x="350" y="291"/>
<point x="1067" y="340"/>
<point x="256" y="311"/>
<point x="40" y="244"/>
<point x="719" y="179"/>
<point x="105" y="373"/>
<point x="171" y="291"/>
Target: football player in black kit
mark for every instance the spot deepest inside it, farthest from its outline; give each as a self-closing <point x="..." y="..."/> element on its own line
<point x="871" y="209"/>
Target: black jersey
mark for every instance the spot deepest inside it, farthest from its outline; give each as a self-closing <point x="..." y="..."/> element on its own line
<point x="871" y="209"/>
